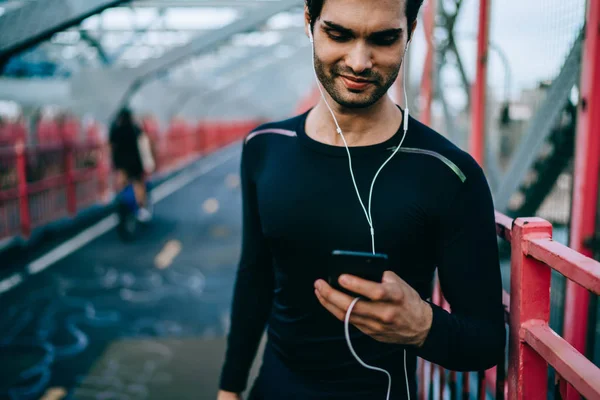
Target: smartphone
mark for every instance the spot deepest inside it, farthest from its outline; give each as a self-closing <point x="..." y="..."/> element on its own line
<point x="364" y="265"/>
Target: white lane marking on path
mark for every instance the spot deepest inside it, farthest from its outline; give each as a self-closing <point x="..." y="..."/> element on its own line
<point x="10" y="282"/>
<point x="159" y="193"/>
<point x="75" y="243"/>
<point x="165" y="258"/>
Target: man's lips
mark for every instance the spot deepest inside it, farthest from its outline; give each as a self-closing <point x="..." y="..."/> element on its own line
<point x="353" y="83"/>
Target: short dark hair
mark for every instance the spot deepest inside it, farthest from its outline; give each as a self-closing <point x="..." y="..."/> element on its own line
<point x="412" y="10"/>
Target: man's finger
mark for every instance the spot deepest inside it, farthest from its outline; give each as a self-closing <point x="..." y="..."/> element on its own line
<point x="332" y="308"/>
<point x="365" y="324"/>
<point x="339" y="299"/>
<point x="372" y="290"/>
<point x="342" y="302"/>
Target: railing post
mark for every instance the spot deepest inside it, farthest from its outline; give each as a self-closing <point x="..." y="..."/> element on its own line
<point x="479" y="88"/>
<point x="70" y="178"/>
<point x="22" y="187"/>
<point x="427" y="78"/>
<point x="585" y="182"/>
<point x="529" y="300"/>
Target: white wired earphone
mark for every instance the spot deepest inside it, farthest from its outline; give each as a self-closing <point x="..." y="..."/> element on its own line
<point x="367" y="213"/>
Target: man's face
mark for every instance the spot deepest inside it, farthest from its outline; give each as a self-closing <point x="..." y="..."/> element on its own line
<point x="359" y="46"/>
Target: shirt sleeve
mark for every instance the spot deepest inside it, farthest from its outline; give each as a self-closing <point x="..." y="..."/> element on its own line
<point x="472" y="337"/>
<point x="253" y="291"/>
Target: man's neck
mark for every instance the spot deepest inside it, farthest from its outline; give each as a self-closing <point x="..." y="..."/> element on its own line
<point x="361" y="127"/>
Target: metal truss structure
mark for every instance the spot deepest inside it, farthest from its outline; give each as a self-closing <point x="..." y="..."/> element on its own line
<point x="189" y="61"/>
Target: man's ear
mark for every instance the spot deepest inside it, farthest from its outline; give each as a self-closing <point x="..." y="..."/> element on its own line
<point x="307" y="27"/>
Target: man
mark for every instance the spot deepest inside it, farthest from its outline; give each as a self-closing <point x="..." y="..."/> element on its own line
<point x="431" y="208"/>
<point x="127" y="159"/>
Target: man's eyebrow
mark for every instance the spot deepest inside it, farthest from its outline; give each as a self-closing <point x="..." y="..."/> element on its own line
<point x="337" y="27"/>
<point x="396" y="31"/>
<point x="340" y="28"/>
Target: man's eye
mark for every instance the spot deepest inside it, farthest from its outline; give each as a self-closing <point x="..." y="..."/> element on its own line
<point x="338" y="37"/>
<point x="386" y="40"/>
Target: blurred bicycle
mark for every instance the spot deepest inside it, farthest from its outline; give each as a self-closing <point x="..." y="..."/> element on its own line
<point x="131" y="216"/>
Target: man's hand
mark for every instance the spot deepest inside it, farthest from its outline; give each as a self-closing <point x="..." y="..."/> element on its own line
<point x="223" y="395"/>
<point x="395" y="314"/>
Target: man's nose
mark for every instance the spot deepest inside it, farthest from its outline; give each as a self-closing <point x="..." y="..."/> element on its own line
<point x="359" y="58"/>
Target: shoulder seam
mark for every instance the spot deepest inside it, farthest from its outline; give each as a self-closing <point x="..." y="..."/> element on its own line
<point x="437" y="155"/>
<point x="284" y="132"/>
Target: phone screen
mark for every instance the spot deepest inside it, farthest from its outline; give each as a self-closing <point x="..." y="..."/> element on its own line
<point x="364" y="265"/>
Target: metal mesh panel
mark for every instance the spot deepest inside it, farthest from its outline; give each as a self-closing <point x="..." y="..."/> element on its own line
<point x="531" y="63"/>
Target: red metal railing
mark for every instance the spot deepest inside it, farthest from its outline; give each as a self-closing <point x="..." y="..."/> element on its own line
<point x="533" y="345"/>
<point x="40" y="184"/>
<point x="43" y="183"/>
<point x="479" y="89"/>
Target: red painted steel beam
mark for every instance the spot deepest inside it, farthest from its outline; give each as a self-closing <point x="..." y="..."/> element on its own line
<point x="580" y="269"/>
<point x="568" y="362"/>
<point x="427" y="78"/>
<point x="476" y="146"/>
<point x="585" y="186"/>
<point x="587" y="152"/>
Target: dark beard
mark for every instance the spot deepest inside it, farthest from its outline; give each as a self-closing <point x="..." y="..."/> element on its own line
<point x="381" y="84"/>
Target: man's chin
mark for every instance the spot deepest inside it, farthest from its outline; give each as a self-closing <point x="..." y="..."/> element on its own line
<point x="357" y="98"/>
<point x="349" y="102"/>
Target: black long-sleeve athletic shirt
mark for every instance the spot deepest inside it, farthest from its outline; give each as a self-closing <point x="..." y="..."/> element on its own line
<point x="431" y="208"/>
